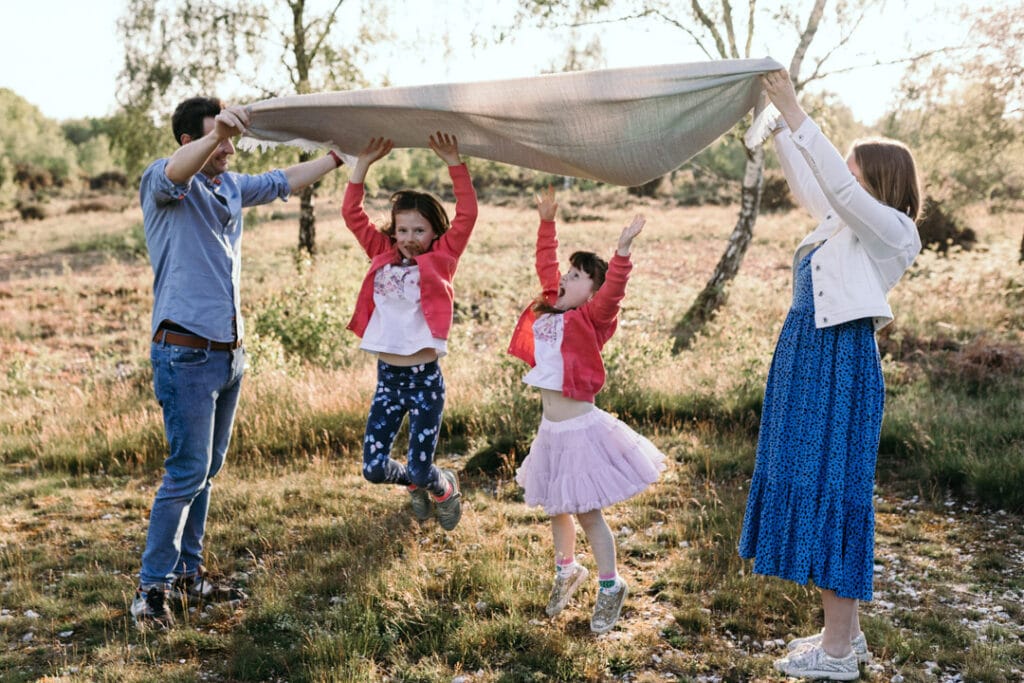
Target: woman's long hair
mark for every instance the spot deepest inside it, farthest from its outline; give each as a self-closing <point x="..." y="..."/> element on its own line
<point x="887" y="168"/>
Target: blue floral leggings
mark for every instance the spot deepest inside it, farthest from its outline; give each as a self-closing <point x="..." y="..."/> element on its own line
<point x="419" y="391"/>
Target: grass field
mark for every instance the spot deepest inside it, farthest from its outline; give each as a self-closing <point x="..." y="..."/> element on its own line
<point x="345" y="586"/>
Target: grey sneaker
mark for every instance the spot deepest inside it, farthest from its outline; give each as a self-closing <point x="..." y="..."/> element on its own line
<point x="421" y="503"/>
<point x="150" y="610"/>
<point x="565" y="585"/>
<point x="813" y="662"/>
<point x="449" y="510"/>
<point x="859" y="645"/>
<point x="608" y="607"/>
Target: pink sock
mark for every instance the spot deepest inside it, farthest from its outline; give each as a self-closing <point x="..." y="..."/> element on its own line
<point x="447" y="492"/>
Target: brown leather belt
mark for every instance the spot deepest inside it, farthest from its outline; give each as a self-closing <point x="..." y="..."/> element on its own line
<point x="163" y="336"/>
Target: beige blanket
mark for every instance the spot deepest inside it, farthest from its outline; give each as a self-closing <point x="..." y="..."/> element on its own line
<point x="622" y="126"/>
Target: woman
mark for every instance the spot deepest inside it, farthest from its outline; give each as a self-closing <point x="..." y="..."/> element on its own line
<point x="809" y="514"/>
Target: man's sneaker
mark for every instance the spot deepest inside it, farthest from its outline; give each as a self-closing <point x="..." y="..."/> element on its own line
<point x="859" y="645"/>
<point x="421" y="503"/>
<point x="565" y="585"/>
<point x="449" y="510"/>
<point x="813" y="662"/>
<point x="201" y="587"/>
<point x="150" y="610"/>
<point x="608" y="607"/>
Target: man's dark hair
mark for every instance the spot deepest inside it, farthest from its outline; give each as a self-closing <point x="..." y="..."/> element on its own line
<point x="189" y="116"/>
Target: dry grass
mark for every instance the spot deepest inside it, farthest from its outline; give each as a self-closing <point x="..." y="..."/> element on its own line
<point x="345" y="587"/>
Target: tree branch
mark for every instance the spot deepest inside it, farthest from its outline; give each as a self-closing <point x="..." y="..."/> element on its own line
<point x="913" y="59"/>
<point x="328" y="23"/>
<point x="752" y="5"/>
<point x="843" y="40"/>
<point x="643" y="15"/>
<point x="729" y="29"/>
<point x="712" y="29"/>
<point x="806" y="36"/>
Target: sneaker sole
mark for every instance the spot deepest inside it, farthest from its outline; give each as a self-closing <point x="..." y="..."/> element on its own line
<point x="570" y="591"/>
<point x="823" y="675"/>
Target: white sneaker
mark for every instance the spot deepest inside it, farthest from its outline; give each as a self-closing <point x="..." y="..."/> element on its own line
<point x="564" y="587"/>
<point x="859" y="645"/>
<point x="813" y="662"/>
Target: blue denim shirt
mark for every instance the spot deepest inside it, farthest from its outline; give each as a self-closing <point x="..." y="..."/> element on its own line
<point x="194" y="237"/>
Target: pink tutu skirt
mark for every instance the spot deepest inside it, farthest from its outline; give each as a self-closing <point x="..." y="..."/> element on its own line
<point x="587" y="463"/>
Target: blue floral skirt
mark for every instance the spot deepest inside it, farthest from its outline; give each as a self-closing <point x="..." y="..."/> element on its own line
<point x="810" y="513"/>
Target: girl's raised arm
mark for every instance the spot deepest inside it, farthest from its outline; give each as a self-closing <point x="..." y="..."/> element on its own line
<point x="376" y="149"/>
<point x="447" y="147"/>
<point x="546" y="258"/>
<point x="628" y="233"/>
<point x="547" y="207"/>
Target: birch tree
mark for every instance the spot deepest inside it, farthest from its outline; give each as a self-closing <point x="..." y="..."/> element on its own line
<point x="721" y="31"/>
<point x="175" y="50"/>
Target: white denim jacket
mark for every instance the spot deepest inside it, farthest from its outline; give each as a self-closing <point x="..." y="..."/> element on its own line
<point x="869" y="245"/>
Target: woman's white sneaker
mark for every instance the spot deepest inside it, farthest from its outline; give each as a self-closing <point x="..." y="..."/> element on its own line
<point x="859" y="645"/>
<point x="812" y="661"/>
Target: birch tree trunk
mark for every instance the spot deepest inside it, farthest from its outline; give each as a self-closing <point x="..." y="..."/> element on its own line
<point x="307" y="215"/>
<point x="715" y="292"/>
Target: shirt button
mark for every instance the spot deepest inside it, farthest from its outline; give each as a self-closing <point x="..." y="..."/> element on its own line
<point x="824" y="320"/>
<point x="817" y="267"/>
<point x="821" y="293"/>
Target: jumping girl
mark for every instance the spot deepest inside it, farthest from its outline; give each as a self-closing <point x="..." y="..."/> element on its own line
<point x="403" y="314"/>
<point x="582" y="459"/>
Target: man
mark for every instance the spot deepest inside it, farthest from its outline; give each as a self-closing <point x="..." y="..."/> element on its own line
<point x="192" y="211"/>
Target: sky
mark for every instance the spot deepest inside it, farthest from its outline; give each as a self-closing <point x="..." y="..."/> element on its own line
<point x="76" y="77"/>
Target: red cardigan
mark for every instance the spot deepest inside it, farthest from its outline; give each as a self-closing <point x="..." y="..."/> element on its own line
<point x="437" y="266"/>
<point x="586" y="329"/>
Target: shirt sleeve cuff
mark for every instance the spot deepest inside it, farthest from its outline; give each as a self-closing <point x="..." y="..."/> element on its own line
<point x="806" y="132"/>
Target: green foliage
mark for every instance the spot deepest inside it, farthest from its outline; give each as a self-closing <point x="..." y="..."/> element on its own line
<point x="138" y="141"/>
<point x="966" y="148"/>
<point x="963" y="120"/>
<point x="130" y="244"/>
<point x="959" y="429"/>
<point x="308" y="321"/>
<point x="93" y="145"/>
<point x="32" y="147"/>
<point x="174" y="51"/>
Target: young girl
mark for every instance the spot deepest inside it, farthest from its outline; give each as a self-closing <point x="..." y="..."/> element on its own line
<point x="809" y="513"/>
<point x="582" y="459"/>
<point x="403" y="314"/>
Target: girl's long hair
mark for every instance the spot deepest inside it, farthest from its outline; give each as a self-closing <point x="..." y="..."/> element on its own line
<point x="424" y="203"/>
<point x="587" y="261"/>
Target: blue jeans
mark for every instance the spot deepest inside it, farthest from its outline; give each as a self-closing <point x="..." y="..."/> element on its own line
<point x="198" y="391"/>
<point x="419" y="391"/>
